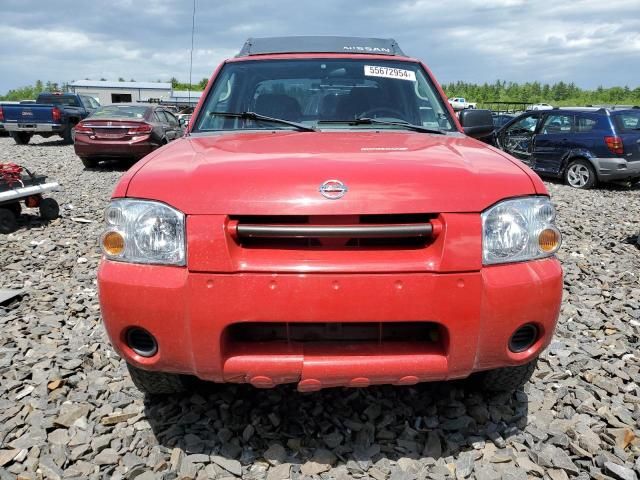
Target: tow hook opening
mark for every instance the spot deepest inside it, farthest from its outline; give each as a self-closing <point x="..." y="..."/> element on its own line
<point x="141" y="342"/>
<point x="523" y="338"/>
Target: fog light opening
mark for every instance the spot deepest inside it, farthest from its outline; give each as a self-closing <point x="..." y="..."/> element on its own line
<point x="142" y="342"/>
<point x="523" y="338"/>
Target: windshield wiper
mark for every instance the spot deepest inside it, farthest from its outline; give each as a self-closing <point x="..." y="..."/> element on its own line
<point x="375" y="121"/>
<point x="264" y="118"/>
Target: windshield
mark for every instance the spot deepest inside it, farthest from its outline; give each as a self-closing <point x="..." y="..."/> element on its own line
<point x="329" y="91"/>
<point x="120" y="111"/>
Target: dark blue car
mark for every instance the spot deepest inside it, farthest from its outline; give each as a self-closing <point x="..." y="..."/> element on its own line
<point x="583" y="146"/>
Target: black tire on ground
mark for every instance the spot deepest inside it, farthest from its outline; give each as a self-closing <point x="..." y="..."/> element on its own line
<point x="89" y="162"/>
<point x="49" y="209"/>
<point x="15" y="207"/>
<point x="21" y="138"/>
<point x="156" y="383"/>
<point x="8" y="220"/>
<point x="68" y="135"/>
<point x="507" y="379"/>
<point x="580" y="174"/>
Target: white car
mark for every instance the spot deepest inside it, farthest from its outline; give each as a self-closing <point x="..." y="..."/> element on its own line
<point x="460" y="103"/>
<point x="541" y="106"/>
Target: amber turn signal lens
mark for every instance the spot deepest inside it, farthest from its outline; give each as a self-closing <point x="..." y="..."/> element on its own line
<point x="113" y="243"/>
<point x="549" y="240"/>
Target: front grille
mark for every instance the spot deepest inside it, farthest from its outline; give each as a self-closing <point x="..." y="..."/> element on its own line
<point x="334" y="332"/>
<point x="334" y="232"/>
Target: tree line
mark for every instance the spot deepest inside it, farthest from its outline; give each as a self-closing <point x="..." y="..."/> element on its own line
<point x="560" y="93"/>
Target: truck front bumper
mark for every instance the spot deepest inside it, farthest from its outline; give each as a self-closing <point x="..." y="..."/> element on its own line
<point x="190" y="314"/>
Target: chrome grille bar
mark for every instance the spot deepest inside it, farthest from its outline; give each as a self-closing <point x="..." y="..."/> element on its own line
<point x="334" y="231"/>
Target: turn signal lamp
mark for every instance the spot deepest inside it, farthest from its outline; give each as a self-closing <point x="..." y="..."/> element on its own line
<point x="549" y="240"/>
<point x="113" y="243"/>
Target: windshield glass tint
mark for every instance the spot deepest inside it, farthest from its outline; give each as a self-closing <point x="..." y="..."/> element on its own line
<point x="120" y="111"/>
<point x="309" y="91"/>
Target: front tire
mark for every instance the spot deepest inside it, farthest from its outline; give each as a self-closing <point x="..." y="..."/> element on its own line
<point x="507" y="379"/>
<point x="8" y="220"/>
<point x="580" y="174"/>
<point x="21" y="138"/>
<point x="49" y="209"/>
<point x="156" y="383"/>
<point x="89" y="162"/>
<point x="68" y="135"/>
<point x="15" y="207"/>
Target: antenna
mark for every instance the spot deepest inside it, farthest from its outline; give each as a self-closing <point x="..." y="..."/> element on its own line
<point x="193" y="27"/>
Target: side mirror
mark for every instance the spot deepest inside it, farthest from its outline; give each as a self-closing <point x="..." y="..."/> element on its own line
<point x="476" y="123"/>
<point x="182" y="122"/>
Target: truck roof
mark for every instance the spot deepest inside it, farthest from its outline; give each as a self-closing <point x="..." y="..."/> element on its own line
<point x="320" y="44"/>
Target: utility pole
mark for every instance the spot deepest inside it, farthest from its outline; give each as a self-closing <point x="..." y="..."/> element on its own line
<point x="193" y="27"/>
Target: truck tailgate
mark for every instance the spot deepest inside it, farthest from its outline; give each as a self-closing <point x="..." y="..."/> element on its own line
<point x="28" y="113"/>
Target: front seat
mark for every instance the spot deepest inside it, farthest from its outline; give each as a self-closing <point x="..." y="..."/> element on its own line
<point x="278" y="105"/>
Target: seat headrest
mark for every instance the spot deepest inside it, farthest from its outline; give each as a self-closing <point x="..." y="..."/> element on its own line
<point x="278" y="105"/>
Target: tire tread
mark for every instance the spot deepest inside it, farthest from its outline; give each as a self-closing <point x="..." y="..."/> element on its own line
<point x="156" y="383"/>
<point x="507" y="379"/>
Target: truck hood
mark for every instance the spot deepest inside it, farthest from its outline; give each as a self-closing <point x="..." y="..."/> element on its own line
<point x="280" y="173"/>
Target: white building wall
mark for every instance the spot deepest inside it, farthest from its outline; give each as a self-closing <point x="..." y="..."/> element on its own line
<point x="104" y="94"/>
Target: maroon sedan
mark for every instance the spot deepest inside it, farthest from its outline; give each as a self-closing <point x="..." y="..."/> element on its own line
<point x="124" y="130"/>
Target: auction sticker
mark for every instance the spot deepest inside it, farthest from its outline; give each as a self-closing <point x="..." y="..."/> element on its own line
<point x="388" y="72"/>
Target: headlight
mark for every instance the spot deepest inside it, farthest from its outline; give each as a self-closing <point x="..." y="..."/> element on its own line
<point x="519" y="229"/>
<point x="142" y="231"/>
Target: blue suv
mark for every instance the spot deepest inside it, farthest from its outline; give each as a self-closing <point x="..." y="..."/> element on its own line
<point x="583" y="146"/>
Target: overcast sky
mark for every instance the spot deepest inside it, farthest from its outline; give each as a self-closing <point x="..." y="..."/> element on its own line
<point x="590" y="42"/>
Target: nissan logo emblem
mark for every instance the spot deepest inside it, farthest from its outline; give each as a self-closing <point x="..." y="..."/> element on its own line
<point x="333" y="189"/>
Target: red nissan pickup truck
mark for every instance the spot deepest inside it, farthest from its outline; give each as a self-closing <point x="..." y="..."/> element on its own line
<point x="328" y="221"/>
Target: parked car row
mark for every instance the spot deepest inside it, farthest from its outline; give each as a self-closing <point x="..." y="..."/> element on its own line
<point x="51" y="114"/>
<point x="118" y="131"/>
<point x="125" y="130"/>
<point x="583" y="146"/>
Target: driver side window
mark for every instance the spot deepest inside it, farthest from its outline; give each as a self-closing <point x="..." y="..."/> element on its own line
<point x="557" y="123"/>
<point x="526" y="125"/>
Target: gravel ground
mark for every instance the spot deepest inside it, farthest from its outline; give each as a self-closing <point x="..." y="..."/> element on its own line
<point x="69" y="410"/>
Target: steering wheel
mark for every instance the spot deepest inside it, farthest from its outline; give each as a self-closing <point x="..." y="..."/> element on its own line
<point x="371" y="113"/>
